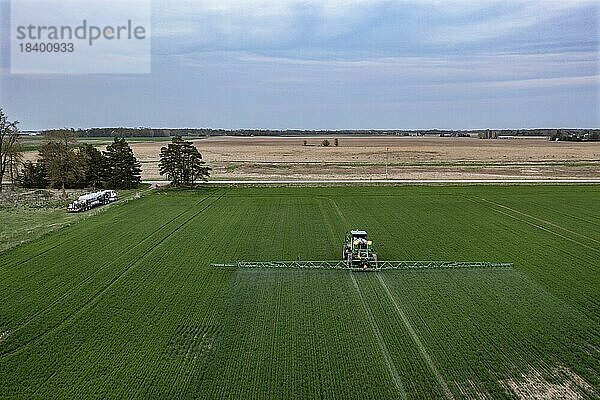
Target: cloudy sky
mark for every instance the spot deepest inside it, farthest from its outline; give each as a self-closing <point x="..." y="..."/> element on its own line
<point x="336" y="64"/>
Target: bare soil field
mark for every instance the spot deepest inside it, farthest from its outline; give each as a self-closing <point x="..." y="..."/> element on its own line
<point x="383" y="157"/>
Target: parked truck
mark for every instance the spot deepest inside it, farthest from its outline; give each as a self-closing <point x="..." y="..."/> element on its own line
<point x="91" y="200"/>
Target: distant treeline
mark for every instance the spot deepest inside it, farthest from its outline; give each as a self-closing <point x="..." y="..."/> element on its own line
<point x="576" y="135"/>
<point x="562" y="134"/>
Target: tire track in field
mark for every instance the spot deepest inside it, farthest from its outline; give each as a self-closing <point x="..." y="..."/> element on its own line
<point x="101" y="267"/>
<point x="413" y="334"/>
<point x="378" y="336"/>
<point x="415" y="338"/>
<point x="99" y="294"/>
<point x="384" y="350"/>
<point x="540" y="219"/>
<point x="339" y="212"/>
<point x="570" y="239"/>
<point x="41" y="253"/>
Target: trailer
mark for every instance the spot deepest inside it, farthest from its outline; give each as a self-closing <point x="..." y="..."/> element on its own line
<point x="90" y="200"/>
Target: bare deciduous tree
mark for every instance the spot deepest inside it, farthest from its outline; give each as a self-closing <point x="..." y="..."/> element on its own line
<point x="60" y="160"/>
<point x="10" y="149"/>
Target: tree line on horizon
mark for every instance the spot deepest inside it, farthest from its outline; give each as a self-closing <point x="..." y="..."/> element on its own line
<point x="65" y="163"/>
<point x="183" y="132"/>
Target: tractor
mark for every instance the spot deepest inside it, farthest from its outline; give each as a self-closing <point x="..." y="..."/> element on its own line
<point x="358" y="251"/>
<point x="358" y="255"/>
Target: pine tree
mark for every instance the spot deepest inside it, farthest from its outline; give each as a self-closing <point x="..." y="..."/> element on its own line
<point x="122" y="168"/>
<point x="33" y="175"/>
<point x="182" y="163"/>
<point x="93" y="163"/>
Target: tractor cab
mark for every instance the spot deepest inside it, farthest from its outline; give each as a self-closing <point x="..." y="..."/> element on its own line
<point x="358" y="250"/>
<point x="359" y="238"/>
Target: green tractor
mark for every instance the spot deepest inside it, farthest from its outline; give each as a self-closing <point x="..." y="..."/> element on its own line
<point x="358" y="251"/>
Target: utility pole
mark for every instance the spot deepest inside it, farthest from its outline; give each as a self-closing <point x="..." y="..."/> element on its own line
<point x="386" y="162"/>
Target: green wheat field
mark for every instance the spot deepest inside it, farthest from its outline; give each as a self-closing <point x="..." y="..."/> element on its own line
<point x="125" y="303"/>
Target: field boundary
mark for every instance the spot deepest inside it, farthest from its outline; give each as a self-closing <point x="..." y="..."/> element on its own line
<point x="391" y="181"/>
<point x="57" y="227"/>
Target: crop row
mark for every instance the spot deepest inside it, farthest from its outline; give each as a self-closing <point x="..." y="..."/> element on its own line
<point x="126" y="305"/>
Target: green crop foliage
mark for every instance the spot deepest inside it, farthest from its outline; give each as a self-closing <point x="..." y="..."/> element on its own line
<point x="124" y="304"/>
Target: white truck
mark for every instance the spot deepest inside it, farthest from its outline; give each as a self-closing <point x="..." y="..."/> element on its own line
<point x="91" y="200"/>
